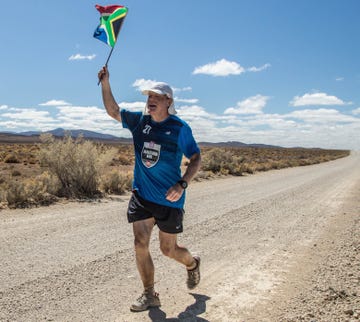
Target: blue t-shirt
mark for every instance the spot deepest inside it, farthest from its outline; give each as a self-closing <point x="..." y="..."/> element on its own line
<point x="159" y="148"/>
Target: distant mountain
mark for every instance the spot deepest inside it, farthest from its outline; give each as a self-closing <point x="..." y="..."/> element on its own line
<point x="236" y="144"/>
<point x="74" y="133"/>
<point x="34" y="136"/>
<point x="91" y="135"/>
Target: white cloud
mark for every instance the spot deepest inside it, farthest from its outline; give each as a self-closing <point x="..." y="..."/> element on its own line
<point x="356" y="111"/>
<point x="322" y="115"/>
<point x="29" y="114"/>
<point x="82" y="112"/>
<point x="186" y="100"/>
<point x="184" y="89"/>
<point x="258" y="69"/>
<point x="192" y="110"/>
<point x="222" y="67"/>
<point x="339" y="79"/>
<point x="82" y="57"/>
<point x="316" y="99"/>
<point x="142" y="84"/>
<point x="251" y="105"/>
<point x="322" y="127"/>
<point x="134" y="106"/>
<point x="55" y="103"/>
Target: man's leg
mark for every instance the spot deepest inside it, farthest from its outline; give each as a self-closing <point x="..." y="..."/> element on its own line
<point x="169" y="247"/>
<point x="142" y="233"/>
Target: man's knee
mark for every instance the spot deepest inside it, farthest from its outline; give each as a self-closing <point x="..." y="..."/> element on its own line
<point x="142" y="233"/>
<point x="141" y="243"/>
<point x="167" y="250"/>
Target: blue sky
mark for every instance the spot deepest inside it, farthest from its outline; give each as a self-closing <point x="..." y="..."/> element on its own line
<point x="258" y="71"/>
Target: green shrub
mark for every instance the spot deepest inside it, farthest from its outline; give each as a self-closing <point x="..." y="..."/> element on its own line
<point x="16" y="173"/>
<point x="29" y="192"/>
<point x="76" y="163"/>
<point x="224" y="162"/>
<point x="11" y="158"/>
<point x="116" y="182"/>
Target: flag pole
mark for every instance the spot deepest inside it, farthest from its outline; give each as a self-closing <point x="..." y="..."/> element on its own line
<point x="109" y="56"/>
<point x="107" y="60"/>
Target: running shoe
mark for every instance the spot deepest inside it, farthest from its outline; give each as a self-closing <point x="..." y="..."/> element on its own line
<point x="145" y="301"/>
<point x="194" y="275"/>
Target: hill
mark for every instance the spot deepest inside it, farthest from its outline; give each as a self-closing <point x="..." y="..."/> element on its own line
<point x="34" y="136"/>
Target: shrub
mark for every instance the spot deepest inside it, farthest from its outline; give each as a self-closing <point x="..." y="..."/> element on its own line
<point x="16" y="173"/>
<point x="2" y="179"/>
<point x="116" y="182"/>
<point x="29" y="192"/>
<point x="11" y="158"/>
<point x="224" y="162"/>
<point x="76" y="163"/>
<point x="16" y="195"/>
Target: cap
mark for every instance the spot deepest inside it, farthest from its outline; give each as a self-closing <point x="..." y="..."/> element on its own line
<point x="162" y="89"/>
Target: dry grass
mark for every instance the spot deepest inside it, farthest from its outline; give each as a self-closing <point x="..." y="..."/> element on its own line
<point x="246" y="160"/>
<point x="27" y="176"/>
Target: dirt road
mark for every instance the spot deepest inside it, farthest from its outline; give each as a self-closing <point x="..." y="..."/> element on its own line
<point x="265" y="240"/>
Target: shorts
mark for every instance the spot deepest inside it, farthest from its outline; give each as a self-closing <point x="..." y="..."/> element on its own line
<point x="168" y="219"/>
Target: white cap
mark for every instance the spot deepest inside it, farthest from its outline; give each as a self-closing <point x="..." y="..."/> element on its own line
<point x="162" y="89"/>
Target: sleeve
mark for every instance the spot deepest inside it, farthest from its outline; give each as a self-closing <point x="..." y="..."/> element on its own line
<point x="187" y="142"/>
<point x="130" y="120"/>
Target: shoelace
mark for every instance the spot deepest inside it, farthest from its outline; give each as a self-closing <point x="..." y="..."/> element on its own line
<point x="143" y="296"/>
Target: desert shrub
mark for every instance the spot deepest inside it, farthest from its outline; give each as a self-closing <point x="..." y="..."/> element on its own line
<point x="3" y="202"/>
<point x="40" y="190"/>
<point x="76" y="163"/>
<point x="203" y="175"/>
<point x="224" y="162"/>
<point x="11" y="158"/>
<point x="50" y="182"/>
<point x="16" y="173"/>
<point x="116" y="182"/>
<point x="29" y="192"/>
<point x="17" y="195"/>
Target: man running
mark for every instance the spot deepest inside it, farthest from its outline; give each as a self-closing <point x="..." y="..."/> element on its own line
<point x="160" y="141"/>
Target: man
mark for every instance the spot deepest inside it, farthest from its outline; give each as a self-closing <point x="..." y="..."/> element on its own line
<point x="160" y="140"/>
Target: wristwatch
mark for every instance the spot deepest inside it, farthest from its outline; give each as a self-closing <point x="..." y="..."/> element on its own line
<point x="183" y="184"/>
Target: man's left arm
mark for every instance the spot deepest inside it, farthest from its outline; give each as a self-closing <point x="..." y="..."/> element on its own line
<point x="175" y="192"/>
<point x="192" y="168"/>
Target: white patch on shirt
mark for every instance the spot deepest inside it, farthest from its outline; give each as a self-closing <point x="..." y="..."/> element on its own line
<point x="150" y="154"/>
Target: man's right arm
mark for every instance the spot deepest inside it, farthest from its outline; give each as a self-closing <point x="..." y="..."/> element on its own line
<point x="112" y="108"/>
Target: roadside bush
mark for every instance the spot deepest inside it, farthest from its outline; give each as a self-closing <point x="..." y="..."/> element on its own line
<point x="116" y="182"/>
<point x="16" y="173"/>
<point x="3" y="202"/>
<point x="224" y="162"/>
<point x="11" y="158"/>
<point x="29" y="192"/>
<point x="76" y="163"/>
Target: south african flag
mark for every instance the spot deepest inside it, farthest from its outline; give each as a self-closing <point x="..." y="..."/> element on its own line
<point x="111" y="20"/>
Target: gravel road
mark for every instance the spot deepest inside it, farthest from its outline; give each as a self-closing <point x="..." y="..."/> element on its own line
<point x="281" y="245"/>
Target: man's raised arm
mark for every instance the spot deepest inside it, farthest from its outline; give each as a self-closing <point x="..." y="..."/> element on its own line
<point x="112" y="108"/>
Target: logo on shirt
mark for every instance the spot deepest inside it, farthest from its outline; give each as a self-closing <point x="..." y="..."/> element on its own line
<point x="147" y="129"/>
<point x="150" y="154"/>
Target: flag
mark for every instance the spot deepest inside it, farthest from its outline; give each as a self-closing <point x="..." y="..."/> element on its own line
<point x="111" y="20"/>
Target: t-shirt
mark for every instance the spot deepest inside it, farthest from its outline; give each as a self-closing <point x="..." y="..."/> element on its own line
<point x="159" y="148"/>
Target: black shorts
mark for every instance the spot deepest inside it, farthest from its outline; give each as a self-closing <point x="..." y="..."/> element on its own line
<point x="168" y="219"/>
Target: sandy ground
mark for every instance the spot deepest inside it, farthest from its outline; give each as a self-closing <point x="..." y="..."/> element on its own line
<point x="276" y="246"/>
